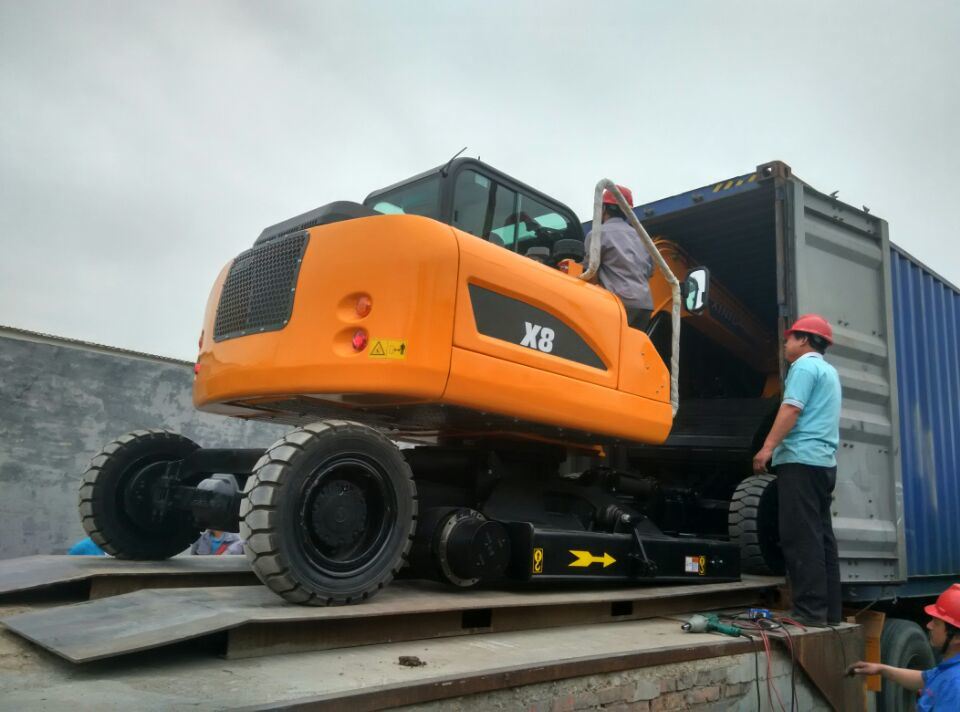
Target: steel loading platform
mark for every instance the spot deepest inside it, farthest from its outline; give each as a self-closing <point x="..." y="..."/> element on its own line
<point x="248" y="621"/>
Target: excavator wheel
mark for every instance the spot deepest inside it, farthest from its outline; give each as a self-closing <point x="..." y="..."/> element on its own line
<point x="752" y="523"/>
<point x="116" y="503"/>
<point x="329" y="514"/>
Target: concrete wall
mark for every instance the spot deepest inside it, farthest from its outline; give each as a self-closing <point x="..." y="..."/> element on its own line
<point x="61" y="401"/>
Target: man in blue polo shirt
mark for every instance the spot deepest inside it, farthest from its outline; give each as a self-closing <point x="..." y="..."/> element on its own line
<point x="802" y="445"/>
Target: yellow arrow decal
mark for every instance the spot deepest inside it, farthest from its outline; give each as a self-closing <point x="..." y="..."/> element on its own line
<point x="585" y="558"/>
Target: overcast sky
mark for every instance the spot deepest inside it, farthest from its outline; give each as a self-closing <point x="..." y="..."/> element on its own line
<point x="144" y="144"/>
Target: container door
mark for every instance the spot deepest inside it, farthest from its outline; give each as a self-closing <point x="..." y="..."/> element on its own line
<point x="838" y="265"/>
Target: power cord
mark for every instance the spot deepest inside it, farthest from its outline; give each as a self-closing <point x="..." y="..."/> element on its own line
<point x="762" y="622"/>
<point x="843" y="651"/>
<point x="793" y="670"/>
<point x="756" y="666"/>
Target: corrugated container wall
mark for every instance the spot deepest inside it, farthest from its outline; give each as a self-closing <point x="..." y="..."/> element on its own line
<point x="927" y="328"/>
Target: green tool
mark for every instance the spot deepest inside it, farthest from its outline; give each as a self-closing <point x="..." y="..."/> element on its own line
<point x="709" y="624"/>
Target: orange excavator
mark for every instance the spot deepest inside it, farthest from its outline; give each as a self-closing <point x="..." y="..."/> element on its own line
<point x="452" y="312"/>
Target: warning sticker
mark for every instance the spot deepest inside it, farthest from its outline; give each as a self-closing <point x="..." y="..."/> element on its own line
<point x="538" y="561"/>
<point x="692" y="564"/>
<point x="388" y="348"/>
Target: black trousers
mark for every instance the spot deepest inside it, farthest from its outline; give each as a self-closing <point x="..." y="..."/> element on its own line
<point x="806" y="537"/>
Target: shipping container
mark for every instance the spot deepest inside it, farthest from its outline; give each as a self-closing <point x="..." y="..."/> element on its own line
<point x="927" y="329"/>
<point x="784" y="249"/>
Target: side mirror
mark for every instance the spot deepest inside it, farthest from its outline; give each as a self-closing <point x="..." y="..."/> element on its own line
<point x="695" y="290"/>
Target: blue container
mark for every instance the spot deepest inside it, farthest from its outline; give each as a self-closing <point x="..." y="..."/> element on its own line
<point x="927" y="332"/>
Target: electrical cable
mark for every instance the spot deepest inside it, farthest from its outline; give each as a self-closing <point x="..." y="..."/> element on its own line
<point x="771" y="688"/>
<point x="766" y="628"/>
<point x="766" y="650"/>
<point x="756" y="667"/>
<point x="745" y="623"/>
<point x="783" y="707"/>
<point x="793" y="669"/>
<point x="867" y="607"/>
<point x="843" y="651"/>
<point x="790" y="621"/>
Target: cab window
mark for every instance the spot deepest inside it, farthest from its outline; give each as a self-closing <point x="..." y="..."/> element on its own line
<point x="481" y="206"/>
<point x="488" y="209"/>
<point x="539" y="224"/>
<point x="420" y="198"/>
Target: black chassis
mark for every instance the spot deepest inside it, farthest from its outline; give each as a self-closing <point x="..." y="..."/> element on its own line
<point x="558" y="529"/>
<point x="214" y="501"/>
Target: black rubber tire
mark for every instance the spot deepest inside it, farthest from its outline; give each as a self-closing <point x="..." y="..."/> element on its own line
<point x="278" y="543"/>
<point x="752" y="523"/>
<point x="103" y="512"/>
<point x="903" y="644"/>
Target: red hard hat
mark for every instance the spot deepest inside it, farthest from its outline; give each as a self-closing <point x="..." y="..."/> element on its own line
<point x="610" y="200"/>
<point x="947" y="607"/>
<point x="812" y="324"/>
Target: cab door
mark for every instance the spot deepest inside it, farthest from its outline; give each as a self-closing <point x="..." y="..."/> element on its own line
<point x="515" y="308"/>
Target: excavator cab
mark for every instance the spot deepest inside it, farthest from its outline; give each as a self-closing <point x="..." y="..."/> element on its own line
<point x="435" y="313"/>
<point x="480" y="200"/>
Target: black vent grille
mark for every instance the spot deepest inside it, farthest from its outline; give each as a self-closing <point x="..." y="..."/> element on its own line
<point x="258" y="293"/>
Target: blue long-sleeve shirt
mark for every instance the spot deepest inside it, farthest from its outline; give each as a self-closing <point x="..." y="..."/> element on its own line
<point x="941" y="687"/>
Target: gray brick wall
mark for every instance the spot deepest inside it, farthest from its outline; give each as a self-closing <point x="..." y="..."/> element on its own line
<point x="60" y="402"/>
<point x="726" y="683"/>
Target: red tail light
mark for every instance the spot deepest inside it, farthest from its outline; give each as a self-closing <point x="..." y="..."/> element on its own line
<point x="359" y="340"/>
<point x="364" y="305"/>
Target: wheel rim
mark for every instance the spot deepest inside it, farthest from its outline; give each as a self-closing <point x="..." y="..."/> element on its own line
<point x="348" y="511"/>
<point x="134" y="495"/>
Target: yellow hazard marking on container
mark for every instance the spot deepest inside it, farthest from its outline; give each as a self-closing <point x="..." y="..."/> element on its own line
<point x="538" y="560"/>
<point x="734" y="183"/>
<point x="585" y="558"/>
<point x="388" y="348"/>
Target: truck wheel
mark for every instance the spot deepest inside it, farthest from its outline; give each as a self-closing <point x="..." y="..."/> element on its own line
<point x="329" y="514"/>
<point x="902" y="644"/>
<point x="752" y="523"/>
<point x="116" y="501"/>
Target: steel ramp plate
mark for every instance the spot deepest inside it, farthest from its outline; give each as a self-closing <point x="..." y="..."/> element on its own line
<point x="369" y="677"/>
<point x="406" y="610"/>
<point x="32" y="573"/>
